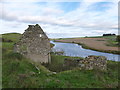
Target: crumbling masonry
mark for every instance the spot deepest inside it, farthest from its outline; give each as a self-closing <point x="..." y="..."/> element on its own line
<point x="34" y="44"/>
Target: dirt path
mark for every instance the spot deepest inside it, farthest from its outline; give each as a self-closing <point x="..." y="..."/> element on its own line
<point x="94" y="43"/>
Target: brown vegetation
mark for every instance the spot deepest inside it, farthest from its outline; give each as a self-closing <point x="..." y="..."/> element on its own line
<point x="92" y="43"/>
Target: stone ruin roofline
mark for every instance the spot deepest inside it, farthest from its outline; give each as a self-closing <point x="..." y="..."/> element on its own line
<point x="31" y="27"/>
<point x="34" y="25"/>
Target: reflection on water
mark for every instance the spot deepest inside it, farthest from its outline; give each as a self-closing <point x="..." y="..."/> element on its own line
<point x="76" y="50"/>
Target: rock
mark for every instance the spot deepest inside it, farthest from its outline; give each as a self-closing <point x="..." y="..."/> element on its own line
<point x="22" y="76"/>
<point x="95" y="62"/>
<point x="71" y="62"/>
<point x="32" y="73"/>
<point x="48" y="80"/>
<point x="54" y="72"/>
<point x="58" y="81"/>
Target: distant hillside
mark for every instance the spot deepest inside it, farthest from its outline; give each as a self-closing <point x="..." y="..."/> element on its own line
<point x="11" y="36"/>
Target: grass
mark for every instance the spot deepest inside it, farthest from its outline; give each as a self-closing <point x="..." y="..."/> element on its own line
<point x="12" y="36"/>
<point x="17" y="73"/>
<point x="57" y="62"/>
<point x="20" y="72"/>
<point x="51" y="45"/>
<point x="65" y="38"/>
<point x="111" y="41"/>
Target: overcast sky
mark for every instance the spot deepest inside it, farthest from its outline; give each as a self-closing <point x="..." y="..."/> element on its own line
<point x="60" y="19"/>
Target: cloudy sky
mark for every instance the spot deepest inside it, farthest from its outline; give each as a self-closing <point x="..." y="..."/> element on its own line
<point x="60" y="18"/>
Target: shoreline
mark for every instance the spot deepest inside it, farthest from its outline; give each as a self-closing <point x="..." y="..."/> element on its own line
<point x="87" y="47"/>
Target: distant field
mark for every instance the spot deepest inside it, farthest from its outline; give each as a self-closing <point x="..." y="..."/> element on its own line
<point x="111" y="40"/>
<point x="99" y="43"/>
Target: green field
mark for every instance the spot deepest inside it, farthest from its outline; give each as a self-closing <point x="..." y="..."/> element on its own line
<point x="12" y="36"/>
<point x="20" y="72"/>
<point x="112" y="41"/>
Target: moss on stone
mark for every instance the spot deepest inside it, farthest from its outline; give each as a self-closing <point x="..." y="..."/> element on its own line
<point x="23" y="48"/>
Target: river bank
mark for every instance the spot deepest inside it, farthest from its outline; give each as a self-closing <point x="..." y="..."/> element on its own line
<point x="97" y="43"/>
<point x="75" y="50"/>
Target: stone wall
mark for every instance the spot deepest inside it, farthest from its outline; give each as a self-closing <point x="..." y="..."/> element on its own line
<point x="89" y="63"/>
<point x="34" y="44"/>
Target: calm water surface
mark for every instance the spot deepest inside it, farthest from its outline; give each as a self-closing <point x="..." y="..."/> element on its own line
<point x="76" y="50"/>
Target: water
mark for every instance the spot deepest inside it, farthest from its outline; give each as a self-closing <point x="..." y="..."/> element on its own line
<point x="76" y="50"/>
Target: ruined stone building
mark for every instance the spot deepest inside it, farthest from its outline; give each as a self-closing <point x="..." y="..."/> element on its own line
<point x="34" y="44"/>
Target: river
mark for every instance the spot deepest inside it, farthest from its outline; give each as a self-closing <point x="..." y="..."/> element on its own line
<point x="75" y="50"/>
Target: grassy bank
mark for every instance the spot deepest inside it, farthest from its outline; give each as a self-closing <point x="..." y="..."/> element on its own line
<point x="106" y="51"/>
<point x="20" y="72"/>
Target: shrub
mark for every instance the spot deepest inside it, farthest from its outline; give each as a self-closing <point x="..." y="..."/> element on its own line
<point x="5" y="40"/>
<point x="4" y="50"/>
<point x="118" y="38"/>
<point x="14" y="55"/>
<point x="109" y="34"/>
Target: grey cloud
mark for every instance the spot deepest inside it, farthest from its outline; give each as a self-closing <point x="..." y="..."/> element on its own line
<point x="8" y="17"/>
<point x="64" y="22"/>
<point x="52" y="21"/>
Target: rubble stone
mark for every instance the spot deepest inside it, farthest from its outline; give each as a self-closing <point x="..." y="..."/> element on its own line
<point x="89" y="63"/>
